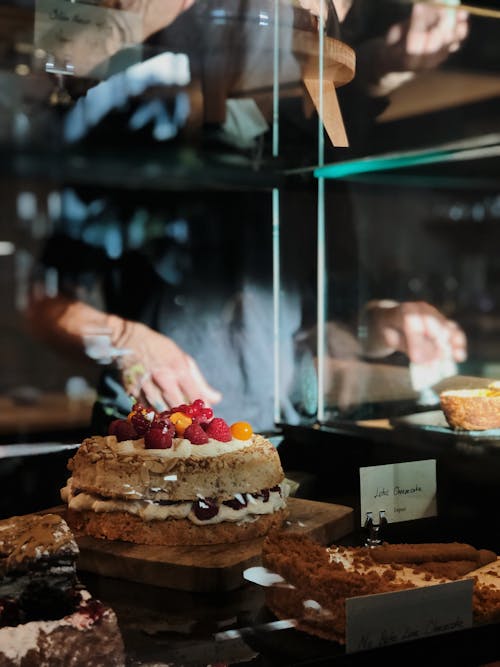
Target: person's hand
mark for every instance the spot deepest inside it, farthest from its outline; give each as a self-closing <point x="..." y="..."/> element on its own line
<point x="426" y="39"/>
<point x="157" y="372"/>
<point x="314" y="6"/>
<point x="154" y="370"/>
<point x="156" y="14"/>
<point x="342" y="7"/>
<point x="415" y="328"/>
<point x="422" y="42"/>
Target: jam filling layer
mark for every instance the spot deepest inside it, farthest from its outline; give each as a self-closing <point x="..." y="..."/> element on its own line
<point x="202" y="511"/>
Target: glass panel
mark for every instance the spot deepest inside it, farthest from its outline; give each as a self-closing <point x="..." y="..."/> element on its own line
<point x="409" y="210"/>
<point x="192" y="90"/>
<point x="427" y="82"/>
<point x="143" y="148"/>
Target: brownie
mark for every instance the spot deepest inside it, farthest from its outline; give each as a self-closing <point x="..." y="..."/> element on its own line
<point x="47" y="618"/>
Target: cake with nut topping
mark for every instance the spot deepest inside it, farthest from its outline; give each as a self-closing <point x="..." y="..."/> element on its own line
<point x="180" y="477"/>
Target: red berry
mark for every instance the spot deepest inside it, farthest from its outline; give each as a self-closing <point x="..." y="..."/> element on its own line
<point x="93" y="609"/>
<point x="205" y="508"/>
<point x="205" y="415"/>
<point x="162" y="422"/>
<point x="198" y="404"/>
<point x="191" y="411"/>
<point x="158" y="438"/>
<point x="140" y="423"/>
<point x="195" y="434"/>
<point x="236" y="503"/>
<point x="113" y="425"/>
<point x="219" y="430"/>
<point x="123" y="430"/>
<point x="263" y="494"/>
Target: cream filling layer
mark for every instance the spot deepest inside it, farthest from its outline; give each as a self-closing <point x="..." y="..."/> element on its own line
<point x="148" y="510"/>
<point x="181" y="448"/>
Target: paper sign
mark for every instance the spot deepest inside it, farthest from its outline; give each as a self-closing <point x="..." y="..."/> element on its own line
<point x="373" y="621"/>
<point x="79" y="38"/>
<point x="404" y="491"/>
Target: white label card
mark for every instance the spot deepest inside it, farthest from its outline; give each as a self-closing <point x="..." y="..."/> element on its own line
<point x="79" y="38"/>
<point x="404" y="491"/>
<point x="379" y="620"/>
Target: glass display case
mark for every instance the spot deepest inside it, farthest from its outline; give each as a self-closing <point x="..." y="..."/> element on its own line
<point x="96" y="132"/>
<point x="417" y="186"/>
<point x="301" y="197"/>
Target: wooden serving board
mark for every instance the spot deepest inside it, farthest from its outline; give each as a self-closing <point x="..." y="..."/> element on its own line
<point x="207" y="568"/>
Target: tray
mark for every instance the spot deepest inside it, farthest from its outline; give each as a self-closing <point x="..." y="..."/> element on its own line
<point x="435" y="422"/>
<point x="206" y="568"/>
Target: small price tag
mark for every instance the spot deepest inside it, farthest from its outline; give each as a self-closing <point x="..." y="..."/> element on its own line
<point x="405" y="491"/>
<point x="79" y="37"/>
<point x="373" y="621"/>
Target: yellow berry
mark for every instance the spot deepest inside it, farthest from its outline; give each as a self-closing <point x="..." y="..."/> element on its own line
<point x="241" y="430"/>
<point x="181" y="422"/>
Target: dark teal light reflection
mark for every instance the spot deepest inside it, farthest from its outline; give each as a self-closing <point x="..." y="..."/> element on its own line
<point x="383" y="163"/>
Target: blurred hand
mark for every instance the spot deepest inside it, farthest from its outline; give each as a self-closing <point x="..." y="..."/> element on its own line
<point x="156" y="14"/>
<point x="314" y="6"/>
<point x="426" y="39"/>
<point x="422" y="42"/>
<point x="416" y="328"/>
<point x="157" y="372"/>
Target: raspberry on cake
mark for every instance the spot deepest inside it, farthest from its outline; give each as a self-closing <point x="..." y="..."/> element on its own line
<point x="321" y="579"/>
<point x="185" y="478"/>
<point x="47" y="619"/>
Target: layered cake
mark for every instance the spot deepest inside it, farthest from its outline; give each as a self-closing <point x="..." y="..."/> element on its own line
<point x="179" y="477"/>
<point x="318" y="580"/>
<point x="472" y="409"/>
<point x="46" y="617"/>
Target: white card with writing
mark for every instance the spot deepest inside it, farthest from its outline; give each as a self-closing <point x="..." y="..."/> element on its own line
<point x="404" y="491"/>
<point x="79" y="38"/>
<point x="373" y="621"/>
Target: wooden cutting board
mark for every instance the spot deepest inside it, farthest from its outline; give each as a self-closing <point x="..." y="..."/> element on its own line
<point x="207" y="568"/>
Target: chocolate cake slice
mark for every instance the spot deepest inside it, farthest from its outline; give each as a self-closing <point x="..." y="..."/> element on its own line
<point x="46" y="616"/>
<point x="37" y="568"/>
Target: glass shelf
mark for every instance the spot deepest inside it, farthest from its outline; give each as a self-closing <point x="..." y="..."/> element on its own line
<point x="167" y="168"/>
<point x="383" y="166"/>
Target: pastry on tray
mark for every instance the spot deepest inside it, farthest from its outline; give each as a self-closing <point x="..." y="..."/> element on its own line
<point x="472" y="409"/>
<point x="181" y="477"/>
<point x="321" y="579"/>
<point x="47" y="619"/>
